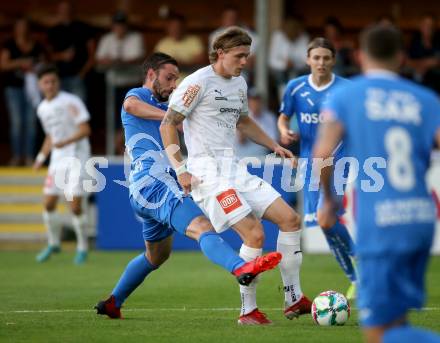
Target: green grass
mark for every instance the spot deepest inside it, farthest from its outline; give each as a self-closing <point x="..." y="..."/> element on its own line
<point x="186" y="300"/>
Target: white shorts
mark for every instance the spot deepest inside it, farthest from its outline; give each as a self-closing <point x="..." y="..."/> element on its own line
<point x="62" y="180"/>
<point x="227" y="200"/>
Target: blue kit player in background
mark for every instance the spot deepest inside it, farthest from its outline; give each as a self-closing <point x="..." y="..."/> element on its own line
<point x="390" y="125"/>
<point x="156" y="197"/>
<point x="303" y="98"/>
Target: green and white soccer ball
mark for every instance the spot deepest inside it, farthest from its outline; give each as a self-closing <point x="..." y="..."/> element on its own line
<point x="330" y="308"/>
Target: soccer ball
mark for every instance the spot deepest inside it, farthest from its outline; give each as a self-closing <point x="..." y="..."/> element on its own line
<point x="330" y="308"/>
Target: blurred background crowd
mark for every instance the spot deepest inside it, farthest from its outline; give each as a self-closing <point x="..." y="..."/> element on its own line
<point x="98" y="48"/>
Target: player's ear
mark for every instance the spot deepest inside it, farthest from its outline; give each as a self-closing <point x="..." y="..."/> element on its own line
<point x="400" y="58"/>
<point x="151" y="74"/>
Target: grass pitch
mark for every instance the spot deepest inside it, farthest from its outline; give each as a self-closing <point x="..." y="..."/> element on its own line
<point x="186" y="300"/>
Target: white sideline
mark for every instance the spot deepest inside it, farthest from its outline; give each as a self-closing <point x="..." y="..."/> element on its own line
<point x="213" y="309"/>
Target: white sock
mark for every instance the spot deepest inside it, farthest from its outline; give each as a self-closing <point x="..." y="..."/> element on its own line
<point x="79" y="227"/>
<point x="289" y="245"/>
<point x="53" y="229"/>
<point x="248" y="294"/>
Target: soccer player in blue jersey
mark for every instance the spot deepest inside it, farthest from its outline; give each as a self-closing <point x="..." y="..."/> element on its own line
<point x="303" y="99"/>
<point x="156" y="197"/>
<point x="390" y="125"/>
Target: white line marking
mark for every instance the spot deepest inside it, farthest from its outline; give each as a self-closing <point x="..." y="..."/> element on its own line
<point x="181" y="309"/>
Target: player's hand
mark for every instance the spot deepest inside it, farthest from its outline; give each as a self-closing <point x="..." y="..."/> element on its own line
<point x="287" y="137"/>
<point x="188" y="181"/>
<point x="60" y="144"/>
<point x="282" y="152"/>
<point x="287" y="154"/>
<point x="37" y="165"/>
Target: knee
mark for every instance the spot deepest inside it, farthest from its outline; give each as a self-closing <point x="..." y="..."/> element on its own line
<point x="199" y="226"/>
<point x="77" y="211"/>
<point x="324" y="222"/>
<point x="290" y="222"/>
<point x="255" y="236"/>
<point x="158" y="258"/>
<point x="50" y="207"/>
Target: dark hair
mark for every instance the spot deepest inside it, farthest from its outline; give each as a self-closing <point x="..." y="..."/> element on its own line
<point x="44" y="69"/>
<point x="228" y="39"/>
<point x="174" y="16"/>
<point x="333" y="21"/>
<point x="380" y="42"/>
<point x="320" y="42"/>
<point x="156" y="60"/>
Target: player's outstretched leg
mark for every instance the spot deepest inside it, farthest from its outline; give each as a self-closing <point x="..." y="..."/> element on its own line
<point x="134" y="274"/>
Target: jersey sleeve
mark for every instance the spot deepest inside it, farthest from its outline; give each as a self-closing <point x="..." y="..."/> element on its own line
<point x="186" y="96"/>
<point x="288" y="103"/>
<point x="136" y="92"/>
<point x="78" y="110"/>
<point x="245" y="108"/>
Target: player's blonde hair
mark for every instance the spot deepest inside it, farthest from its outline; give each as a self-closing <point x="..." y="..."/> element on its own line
<point x="228" y="39"/>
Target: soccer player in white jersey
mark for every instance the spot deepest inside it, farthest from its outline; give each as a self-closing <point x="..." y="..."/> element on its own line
<point x="213" y="101"/>
<point x="65" y="120"/>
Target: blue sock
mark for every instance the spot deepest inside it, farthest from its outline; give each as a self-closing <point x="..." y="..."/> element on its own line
<point x="219" y="252"/>
<point x="342" y="247"/>
<point x="135" y="272"/>
<point x="409" y="334"/>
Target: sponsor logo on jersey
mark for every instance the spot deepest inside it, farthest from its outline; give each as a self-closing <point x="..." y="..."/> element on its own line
<point x="190" y="94"/>
<point x="311" y="118"/>
<point x="229" y="201"/>
<point x="230" y="110"/>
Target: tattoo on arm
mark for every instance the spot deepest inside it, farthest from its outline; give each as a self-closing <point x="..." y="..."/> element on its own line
<point x="173" y="118"/>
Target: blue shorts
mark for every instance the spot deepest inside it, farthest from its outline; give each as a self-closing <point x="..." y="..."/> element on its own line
<point x="390" y="285"/>
<point x="173" y="213"/>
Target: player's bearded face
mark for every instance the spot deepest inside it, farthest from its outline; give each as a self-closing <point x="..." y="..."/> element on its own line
<point x="165" y="81"/>
<point x="321" y="61"/>
<point x="234" y="60"/>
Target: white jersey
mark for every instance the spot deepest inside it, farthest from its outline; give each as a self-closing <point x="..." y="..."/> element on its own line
<point x="60" y="118"/>
<point x="212" y="105"/>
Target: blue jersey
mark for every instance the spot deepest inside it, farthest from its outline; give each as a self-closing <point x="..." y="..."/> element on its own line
<point x="389" y="127"/>
<point x="303" y="99"/>
<point x="144" y="144"/>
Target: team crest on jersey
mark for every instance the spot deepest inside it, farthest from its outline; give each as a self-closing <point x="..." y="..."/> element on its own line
<point x="190" y="94"/>
<point x="229" y="201"/>
<point x="241" y="95"/>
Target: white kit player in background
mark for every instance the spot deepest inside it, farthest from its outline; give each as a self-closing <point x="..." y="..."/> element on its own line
<point x="64" y="118"/>
<point x="213" y="100"/>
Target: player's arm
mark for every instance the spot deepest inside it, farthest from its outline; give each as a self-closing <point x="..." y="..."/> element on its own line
<point x="329" y="135"/>
<point x="170" y="139"/>
<point x="44" y="152"/>
<point x="248" y="127"/>
<point x="82" y="132"/>
<point x="142" y="109"/>
<point x="287" y="136"/>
